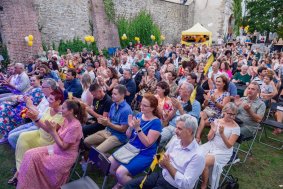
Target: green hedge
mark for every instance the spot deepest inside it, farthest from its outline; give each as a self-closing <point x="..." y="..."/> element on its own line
<point x="141" y="26"/>
<point x="4" y="53"/>
<point x="76" y="45"/>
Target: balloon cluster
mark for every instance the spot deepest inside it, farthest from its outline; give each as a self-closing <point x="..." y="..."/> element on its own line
<point x="89" y="38"/>
<point x="124" y="37"/>
<point x="29" y="40"/>
<point x="137" y="39"/>
<point x="162" y="37"/>
<point x="152" y="37"/>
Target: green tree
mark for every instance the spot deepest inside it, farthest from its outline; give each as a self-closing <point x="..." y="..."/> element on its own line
<point x="141" y="26"/>
<point x="265" y="15"/>
<point x="237" y="12"/>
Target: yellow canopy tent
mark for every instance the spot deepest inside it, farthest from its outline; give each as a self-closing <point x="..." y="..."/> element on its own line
<point x="197" y="35"/>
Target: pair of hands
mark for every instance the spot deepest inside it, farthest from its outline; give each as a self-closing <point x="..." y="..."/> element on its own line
<point x="164" y="162"/>
<point x="238" y="102"/>
<point x="133" y="122"/>
<point x="220" y="128"/>
<point x="51" y="127"/>
<point x="176" y="103"/>
<point x="207" y="98"/>
<point x="105" y="121"/>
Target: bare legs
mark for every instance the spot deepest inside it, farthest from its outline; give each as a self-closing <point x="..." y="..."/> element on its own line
<point x="209" y="162"/>
<point x="203" y="122"/>
<point x="279" y="118"/>
<point x="121" y="173"/>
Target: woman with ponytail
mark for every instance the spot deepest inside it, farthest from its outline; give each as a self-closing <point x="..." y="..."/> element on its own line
<point x="49" y="167"/>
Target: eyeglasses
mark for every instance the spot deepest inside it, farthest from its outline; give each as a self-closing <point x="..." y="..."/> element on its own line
<point x="144" y="105"/>
<point x="230" y="114"/>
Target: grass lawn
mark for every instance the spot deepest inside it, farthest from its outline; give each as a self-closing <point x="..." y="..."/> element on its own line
<point x="263" y="170"/>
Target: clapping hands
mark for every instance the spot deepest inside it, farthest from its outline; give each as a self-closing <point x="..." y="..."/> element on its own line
<point x="103" y="121"/>
<point x="50" y="126"/>
<point x="165" y="161"/>
<point x="133" y="122"/>
<point x="221" y="129"/>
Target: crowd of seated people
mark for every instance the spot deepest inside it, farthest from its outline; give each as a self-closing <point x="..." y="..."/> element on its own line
<point x="144" y="97"/>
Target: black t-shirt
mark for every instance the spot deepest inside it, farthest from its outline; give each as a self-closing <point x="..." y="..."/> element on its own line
<point x="100" y="106"/>
<point x="162" y="60"/>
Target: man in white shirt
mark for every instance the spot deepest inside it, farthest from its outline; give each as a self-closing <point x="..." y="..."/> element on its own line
<point x="22" y="82"/>
<point x="182" y="163"/>
<point x="90" y="71"/>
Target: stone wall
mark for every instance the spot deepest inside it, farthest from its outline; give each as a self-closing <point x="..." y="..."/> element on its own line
<point x="172" y="18"/>
<point x="105" y="31"/>
<point x="207" y="12"/>
<point x="17" y="20"/>
<point x="63" y="19"/>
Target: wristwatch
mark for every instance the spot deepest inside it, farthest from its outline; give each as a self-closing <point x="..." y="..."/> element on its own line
<point x="139" y="131"/>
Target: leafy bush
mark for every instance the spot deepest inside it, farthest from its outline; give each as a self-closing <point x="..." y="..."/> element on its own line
<point x="141" y="26"/>
<point x="76" y="45"/>
<point x="109" y="10"/>
<point x="4" y="53"/>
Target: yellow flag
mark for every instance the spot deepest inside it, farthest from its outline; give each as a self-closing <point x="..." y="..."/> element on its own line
<point x="208" y="64"/>
<point x="154" y="163"/>
<point x="193" y="95"/>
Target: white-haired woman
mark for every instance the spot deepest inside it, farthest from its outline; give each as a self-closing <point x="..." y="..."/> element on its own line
<point x="218" y="150"/>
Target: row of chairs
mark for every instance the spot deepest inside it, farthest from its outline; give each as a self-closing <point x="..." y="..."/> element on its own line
<point x="101" y="161"/>
<point x="267" y="122"/>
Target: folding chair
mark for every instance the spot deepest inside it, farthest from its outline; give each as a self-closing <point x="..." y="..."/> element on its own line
<point x="80" y="154"/>
<point x="273" y="124"/>
<point x="251" y="139"/>
<point x="101" y="162"/>
<point x="227" y="168"/>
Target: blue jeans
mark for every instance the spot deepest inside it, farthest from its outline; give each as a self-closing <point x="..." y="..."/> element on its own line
<point x="15" y="133"/>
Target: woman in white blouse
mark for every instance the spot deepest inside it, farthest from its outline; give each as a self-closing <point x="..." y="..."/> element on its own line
<point x="218" y="150"/>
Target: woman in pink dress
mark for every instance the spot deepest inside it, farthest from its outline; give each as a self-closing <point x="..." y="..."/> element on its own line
<point x="49" y="167"/>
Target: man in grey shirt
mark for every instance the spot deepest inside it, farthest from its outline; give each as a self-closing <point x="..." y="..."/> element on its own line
<point x="251" y="110"/>
<point x="21" y="82"/>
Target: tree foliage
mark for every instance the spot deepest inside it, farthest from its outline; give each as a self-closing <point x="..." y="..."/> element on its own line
<point x="265" y="15"/>
<point x="141" y="26"/>
<point x="237" y="12"/>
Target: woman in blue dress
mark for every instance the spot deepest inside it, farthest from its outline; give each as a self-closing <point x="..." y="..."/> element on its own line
<point x="143" y="133"/>
<point x="10" y="109"/>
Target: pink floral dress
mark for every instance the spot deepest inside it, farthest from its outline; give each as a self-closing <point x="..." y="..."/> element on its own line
<point x="39" y="169"/>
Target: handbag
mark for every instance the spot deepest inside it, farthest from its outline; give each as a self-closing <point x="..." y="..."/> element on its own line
<point x="230" y="183"/>
<point x="127" y="152"/>
<point x="210" y="112"/>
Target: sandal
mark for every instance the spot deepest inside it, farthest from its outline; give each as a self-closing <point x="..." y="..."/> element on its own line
<point x="13" y="181"/>
<point x="277" y="131"/>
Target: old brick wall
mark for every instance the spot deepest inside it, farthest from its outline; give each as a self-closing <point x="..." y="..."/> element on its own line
<point x="19" y="19"/>
<point x="105" y="32"/>
<point x="172" y="18"/>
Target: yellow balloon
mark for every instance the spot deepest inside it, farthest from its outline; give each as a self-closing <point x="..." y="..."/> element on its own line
<point x="30" y="37"/>
<point x="162" y="37"/>
<point x="86" y="38"/>
<point x="92" y="39"/>
<point x="30" y="43"/>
